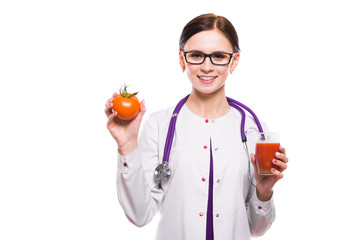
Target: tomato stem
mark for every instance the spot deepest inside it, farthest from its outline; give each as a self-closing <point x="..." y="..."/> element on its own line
<point x="124" y="92"/>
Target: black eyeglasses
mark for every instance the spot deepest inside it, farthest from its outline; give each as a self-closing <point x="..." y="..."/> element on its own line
<point x="216" y="58"/>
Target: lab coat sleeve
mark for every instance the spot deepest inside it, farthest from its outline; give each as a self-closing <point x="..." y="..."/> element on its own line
<point x="138" y="194"/>
<point x="261" y="215"/>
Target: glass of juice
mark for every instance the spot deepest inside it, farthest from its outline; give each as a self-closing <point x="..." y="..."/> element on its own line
<point x="267" y="145"/>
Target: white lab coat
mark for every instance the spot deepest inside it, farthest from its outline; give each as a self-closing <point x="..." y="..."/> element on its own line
<point x="182" y="200"/>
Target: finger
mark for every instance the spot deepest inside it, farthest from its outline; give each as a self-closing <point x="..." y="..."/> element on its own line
<point x="108" y="107"/>
<point x="111" y="119"/>
<point x="109" y="103"/>
<point x="253" y="162"/>
<point x="252" y="156"/>
<point x="277" y="173"/>
<point x="282" y="157"/>
<point x="282" y="150"/>
<point x="281" y="165"/>
<point x="108" y="111"/>
<point x="142" y="110"/>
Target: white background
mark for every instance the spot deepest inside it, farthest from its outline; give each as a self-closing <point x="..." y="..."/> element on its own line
<point x="61" y="60"/>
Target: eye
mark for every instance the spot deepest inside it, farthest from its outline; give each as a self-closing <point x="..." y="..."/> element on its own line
<point x="195" y="55"/>
<point x="219" y="56"/>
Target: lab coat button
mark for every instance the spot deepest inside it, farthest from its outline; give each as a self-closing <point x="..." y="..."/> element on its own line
<point x="205" y="147"/>
<point x="201" y="214"/>
<point x="218" y="180"/>
<point x="206" y="120"/>
<point x="125" y="164"/>
<point x="217" y="215"/>
<point x="203" y="179"/>
<point x="216" y="149"/>
<point x="259" y="207"/>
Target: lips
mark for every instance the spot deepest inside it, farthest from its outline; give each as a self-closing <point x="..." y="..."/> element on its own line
<point x="207" y="79"/>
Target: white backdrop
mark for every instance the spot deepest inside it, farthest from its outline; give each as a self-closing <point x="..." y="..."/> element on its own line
<point x="61" y="60"/>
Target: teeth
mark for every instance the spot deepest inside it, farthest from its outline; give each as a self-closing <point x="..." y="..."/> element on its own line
<point x="207" y="78"/>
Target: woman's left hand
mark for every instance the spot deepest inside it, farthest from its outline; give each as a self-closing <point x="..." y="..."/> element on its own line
<point x="265" y="183"/>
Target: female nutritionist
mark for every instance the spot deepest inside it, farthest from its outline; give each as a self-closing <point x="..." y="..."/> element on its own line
<point x="208" y="195"/>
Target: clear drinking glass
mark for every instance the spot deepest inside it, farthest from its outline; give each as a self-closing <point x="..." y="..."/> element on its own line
<point x="267" y="145"/>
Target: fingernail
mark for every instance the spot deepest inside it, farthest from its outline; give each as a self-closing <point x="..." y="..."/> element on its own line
<point x="115" y="113"/>
<point x="274" y="161"/>
<point x="277" y="154"/>
<point x="273" y="170"/>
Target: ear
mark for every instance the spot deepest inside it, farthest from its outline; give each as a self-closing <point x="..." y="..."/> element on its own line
<point x="235" y="61"/>
<point x="182" y="61"/>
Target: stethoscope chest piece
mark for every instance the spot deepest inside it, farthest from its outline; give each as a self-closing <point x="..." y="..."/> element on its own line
<point x="162" y="172"/>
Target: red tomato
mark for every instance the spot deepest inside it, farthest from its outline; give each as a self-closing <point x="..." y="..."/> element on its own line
<point x="127" y="108"/>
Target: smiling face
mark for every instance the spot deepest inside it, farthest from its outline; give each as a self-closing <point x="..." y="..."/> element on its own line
<point x="208" y="78"/>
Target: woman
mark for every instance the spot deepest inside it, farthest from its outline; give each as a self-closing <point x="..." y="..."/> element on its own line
<point x="209" y="195"/>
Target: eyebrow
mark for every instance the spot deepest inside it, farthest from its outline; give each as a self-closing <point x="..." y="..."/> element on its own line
<point x="195" y="50"/>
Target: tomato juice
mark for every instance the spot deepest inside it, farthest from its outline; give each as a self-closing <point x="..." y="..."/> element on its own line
<point x="265" y="153"/>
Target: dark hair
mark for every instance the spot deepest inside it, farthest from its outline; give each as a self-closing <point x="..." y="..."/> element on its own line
<point x="208" y="22"/>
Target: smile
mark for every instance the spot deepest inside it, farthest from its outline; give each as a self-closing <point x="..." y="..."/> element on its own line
<point x="206" y="78"/>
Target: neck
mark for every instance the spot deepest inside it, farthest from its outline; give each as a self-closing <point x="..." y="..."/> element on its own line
<point x="210" y="106"/>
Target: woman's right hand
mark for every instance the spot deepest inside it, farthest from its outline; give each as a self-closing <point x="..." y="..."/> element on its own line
<point x="125" y="132"/>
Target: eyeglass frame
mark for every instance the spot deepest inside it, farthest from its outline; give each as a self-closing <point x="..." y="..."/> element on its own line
<point x="209" y="56"/>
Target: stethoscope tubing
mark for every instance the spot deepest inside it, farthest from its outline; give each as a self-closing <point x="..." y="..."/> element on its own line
<point x="242" y="127"/>
<point x="243" y="118"/>
<point x="163" y="171"/>
<point x="171" y="131"/>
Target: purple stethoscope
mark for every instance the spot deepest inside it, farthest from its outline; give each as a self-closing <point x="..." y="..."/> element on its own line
<point x="163" y="172"/>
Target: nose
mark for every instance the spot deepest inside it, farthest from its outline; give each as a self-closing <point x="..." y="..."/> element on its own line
<point x="207" y="65"/>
